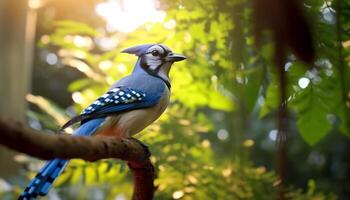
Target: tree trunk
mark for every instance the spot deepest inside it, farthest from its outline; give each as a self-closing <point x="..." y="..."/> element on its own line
<point x="16" y="39"/>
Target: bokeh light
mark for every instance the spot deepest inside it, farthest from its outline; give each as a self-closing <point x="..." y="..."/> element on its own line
<point x="51" y="59"/>
<point x="273" y="135"/>
<point x="303" y="82"/>
<point x="77" y="97"/>
<point x="178" y="194"/>
<point x="222" y="134"/>
<point x="34" y="4"/>
<point x="127" y="15"/>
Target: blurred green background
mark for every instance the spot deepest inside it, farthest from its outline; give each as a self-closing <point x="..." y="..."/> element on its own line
<point x="217" y="139"/>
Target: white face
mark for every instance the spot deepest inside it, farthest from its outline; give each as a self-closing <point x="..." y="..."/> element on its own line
<point x="153" y="59"/>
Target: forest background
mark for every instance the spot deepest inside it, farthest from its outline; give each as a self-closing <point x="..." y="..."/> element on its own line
<point x="218" y="138"/>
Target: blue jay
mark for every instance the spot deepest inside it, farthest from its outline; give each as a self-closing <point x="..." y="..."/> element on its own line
<point x="130" y="105"/>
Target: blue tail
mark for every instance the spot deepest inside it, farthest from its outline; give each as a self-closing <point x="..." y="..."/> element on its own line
<point x="43" y="181"/>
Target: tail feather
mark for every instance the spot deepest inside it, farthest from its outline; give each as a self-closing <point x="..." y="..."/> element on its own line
<point x="43" y="181"/>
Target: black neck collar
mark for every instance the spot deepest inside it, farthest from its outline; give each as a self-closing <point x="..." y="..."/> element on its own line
<point x="154" y="73"/>
<point x="167" y="83"/>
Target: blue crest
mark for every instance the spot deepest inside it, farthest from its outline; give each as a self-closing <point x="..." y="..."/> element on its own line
<point x="138" y="50"/>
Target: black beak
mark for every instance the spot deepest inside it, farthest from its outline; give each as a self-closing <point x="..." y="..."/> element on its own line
<point x="174" y="57"/>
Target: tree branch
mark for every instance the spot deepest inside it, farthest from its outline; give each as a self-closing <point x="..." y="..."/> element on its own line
<point x="49" y="146"/>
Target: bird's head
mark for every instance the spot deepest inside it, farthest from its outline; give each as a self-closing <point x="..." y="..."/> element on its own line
<point x="155" y="59"/>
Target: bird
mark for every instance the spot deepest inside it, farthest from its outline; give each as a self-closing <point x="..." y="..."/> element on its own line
<point x="129" y="106"/>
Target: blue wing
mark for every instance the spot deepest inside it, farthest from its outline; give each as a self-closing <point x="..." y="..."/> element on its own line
<point x="117" y="99"/>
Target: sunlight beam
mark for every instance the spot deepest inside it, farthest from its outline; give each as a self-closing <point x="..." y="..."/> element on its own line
<point x="127" y="15"/>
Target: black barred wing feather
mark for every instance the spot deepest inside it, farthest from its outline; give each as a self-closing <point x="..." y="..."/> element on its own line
<point x="115" y="100"/>
<point x="115" y="96"/>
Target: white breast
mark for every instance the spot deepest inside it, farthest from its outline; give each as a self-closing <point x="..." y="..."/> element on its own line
<point x="129" y="123"/>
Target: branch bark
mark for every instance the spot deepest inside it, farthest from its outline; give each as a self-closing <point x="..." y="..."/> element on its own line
<point x="49" y="146"/>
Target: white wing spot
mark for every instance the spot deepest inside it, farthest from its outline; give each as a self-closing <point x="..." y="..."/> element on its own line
<point x="128" y="101"/>
<point x="115" y="90"/>
<point x="116" y="96"/>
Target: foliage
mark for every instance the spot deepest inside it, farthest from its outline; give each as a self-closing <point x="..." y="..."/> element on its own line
<point x="225" y="73"/>
<point x="309" y="194"/>
<point x="174" y="139"/>
<point x="319" y="106"/>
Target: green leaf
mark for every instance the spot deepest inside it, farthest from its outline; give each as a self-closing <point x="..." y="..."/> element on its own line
<point x="64" y="178"/>
<point x="77" y="175"/>
<point x="65" y="27"/>
<point x="90" y="175"/>
<point x="313" y="124"/>
<point x="251" y="90"/>
<point x="51" y="108"/>
<point x="313" y="106"/>
<point x="220" y="102"/>
<point x="79" y="84"/>
<point x="271" y="100"/>
<point x="344" y="122"/>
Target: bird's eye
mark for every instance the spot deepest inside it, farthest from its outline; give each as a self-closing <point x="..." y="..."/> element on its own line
<point x="155" y="53"/>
